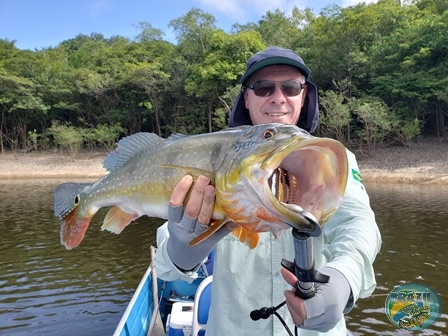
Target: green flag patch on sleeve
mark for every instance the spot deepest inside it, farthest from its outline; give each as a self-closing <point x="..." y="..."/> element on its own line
<point x="356" y="175"/>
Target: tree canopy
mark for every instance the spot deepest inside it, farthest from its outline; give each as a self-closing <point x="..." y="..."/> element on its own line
<point x="382" y="70"/>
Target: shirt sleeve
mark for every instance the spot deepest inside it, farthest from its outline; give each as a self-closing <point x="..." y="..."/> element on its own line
<point x="352" y="238"/>
<point x="165" y="268"/>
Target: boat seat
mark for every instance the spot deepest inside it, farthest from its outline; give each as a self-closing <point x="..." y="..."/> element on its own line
<point x="202" y="303"/>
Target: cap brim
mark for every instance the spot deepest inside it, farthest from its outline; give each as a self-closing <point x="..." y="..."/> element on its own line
<point x="276" y="60"/>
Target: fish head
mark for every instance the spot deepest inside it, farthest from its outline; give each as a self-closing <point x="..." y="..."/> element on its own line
<point x="278" y="176"/>
<point x="71" y="206"/>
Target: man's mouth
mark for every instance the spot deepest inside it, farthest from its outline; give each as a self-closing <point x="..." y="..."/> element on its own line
<point x="276" y="114"/>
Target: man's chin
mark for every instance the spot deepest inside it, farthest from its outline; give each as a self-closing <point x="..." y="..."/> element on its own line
<point x="284" y="119"/>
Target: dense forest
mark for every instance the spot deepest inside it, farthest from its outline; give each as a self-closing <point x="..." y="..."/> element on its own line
<point x="382" y="72"/>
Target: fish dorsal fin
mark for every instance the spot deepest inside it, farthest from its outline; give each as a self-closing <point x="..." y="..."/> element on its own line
<point x="176" y="136"/>
<point x="129" y="147"/>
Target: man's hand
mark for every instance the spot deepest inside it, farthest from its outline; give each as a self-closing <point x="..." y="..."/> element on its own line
<point x="183" y="226"/>
<point x="323" y="311"/>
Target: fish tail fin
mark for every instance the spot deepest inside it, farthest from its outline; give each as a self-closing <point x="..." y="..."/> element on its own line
<point x="64" y="197"/>
<point x="73" y="229"/>
<point x="117" y="219"/>
<point x="245" y="236"/>
<point x="214" y="226"/>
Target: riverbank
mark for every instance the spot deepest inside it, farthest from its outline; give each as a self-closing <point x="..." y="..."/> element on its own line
<point x="423" y="162"/>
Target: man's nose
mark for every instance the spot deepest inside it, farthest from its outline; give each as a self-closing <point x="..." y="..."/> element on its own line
<point x="278" y="95"/>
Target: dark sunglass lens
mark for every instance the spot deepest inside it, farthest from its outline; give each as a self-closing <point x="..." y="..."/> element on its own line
<point x="264" y="88"/>
<point x="267" y="88"/>
<point x="291" y="89"/>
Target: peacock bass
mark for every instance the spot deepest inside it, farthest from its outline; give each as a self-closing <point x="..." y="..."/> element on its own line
<point x="267" y="178"/>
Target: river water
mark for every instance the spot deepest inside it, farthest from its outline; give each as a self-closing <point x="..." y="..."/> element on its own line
<point x="47" y="290"/>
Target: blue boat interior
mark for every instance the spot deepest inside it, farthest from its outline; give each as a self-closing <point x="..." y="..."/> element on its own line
<point x="193" y="298"/>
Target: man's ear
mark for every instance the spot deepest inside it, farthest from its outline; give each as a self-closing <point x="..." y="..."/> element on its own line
<point x="245" y="93"/>
<point x="304" y="93"/>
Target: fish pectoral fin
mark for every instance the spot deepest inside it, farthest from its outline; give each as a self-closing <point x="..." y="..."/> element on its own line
<point x="117" y="219"/>
<point x="73" y="229"/>
<point x="245" y="236"/>
<point x="213" y="227"/>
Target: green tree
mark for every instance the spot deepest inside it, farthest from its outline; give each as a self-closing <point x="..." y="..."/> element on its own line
<point x="148" y="33"/>
<point x="68" y="137"/>
<point x="390" y="51"/>
<point x="335" y="117"/>
<point x="411" y="69"/>
<point x="376" y="119"/>
<point x="105" y="135"/>
<point x="192" y="32"/>
<point x="152" y="79"/>
<point x="278" y="29"/>
<point x="223" y="64"/>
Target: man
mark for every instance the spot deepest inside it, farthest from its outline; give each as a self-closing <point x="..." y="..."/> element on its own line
<point x="275" y="89"/>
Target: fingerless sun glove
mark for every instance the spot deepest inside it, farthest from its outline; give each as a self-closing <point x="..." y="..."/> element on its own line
<point x="182" y="231"/>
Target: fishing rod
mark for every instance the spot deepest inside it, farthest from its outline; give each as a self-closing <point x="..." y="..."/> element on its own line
<point x="302" y="267"/>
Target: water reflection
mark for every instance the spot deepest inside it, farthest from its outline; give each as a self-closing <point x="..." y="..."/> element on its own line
<point x="47" y="290"/>
<point x="412" y="221"/>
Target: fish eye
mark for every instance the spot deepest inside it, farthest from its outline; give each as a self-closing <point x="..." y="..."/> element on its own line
<point x="268" y="134"/>
<point x="76" y="199"/>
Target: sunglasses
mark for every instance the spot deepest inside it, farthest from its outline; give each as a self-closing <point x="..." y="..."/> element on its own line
<point x="266" y="88"/>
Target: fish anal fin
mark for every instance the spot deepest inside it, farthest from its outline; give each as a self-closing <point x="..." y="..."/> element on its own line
<point x="245" y="236"/>
<point x="117" y="219"/>
<point x="213" y="227"/>
<point x="73" y="229"/>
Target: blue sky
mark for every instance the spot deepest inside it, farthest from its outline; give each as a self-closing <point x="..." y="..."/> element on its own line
<point x="36" y="24"/>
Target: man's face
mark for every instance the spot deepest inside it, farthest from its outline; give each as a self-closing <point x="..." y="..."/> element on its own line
<point x="276" y="107"/>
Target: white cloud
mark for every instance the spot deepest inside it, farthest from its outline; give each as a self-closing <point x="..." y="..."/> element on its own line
<point x="241" y="10"/>
<point x="244" y="10"/>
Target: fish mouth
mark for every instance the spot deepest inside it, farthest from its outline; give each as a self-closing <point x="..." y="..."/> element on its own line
<point x="284" y="188"/>
<point x="283" y="185"/>
<point x="306" y="181"/>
